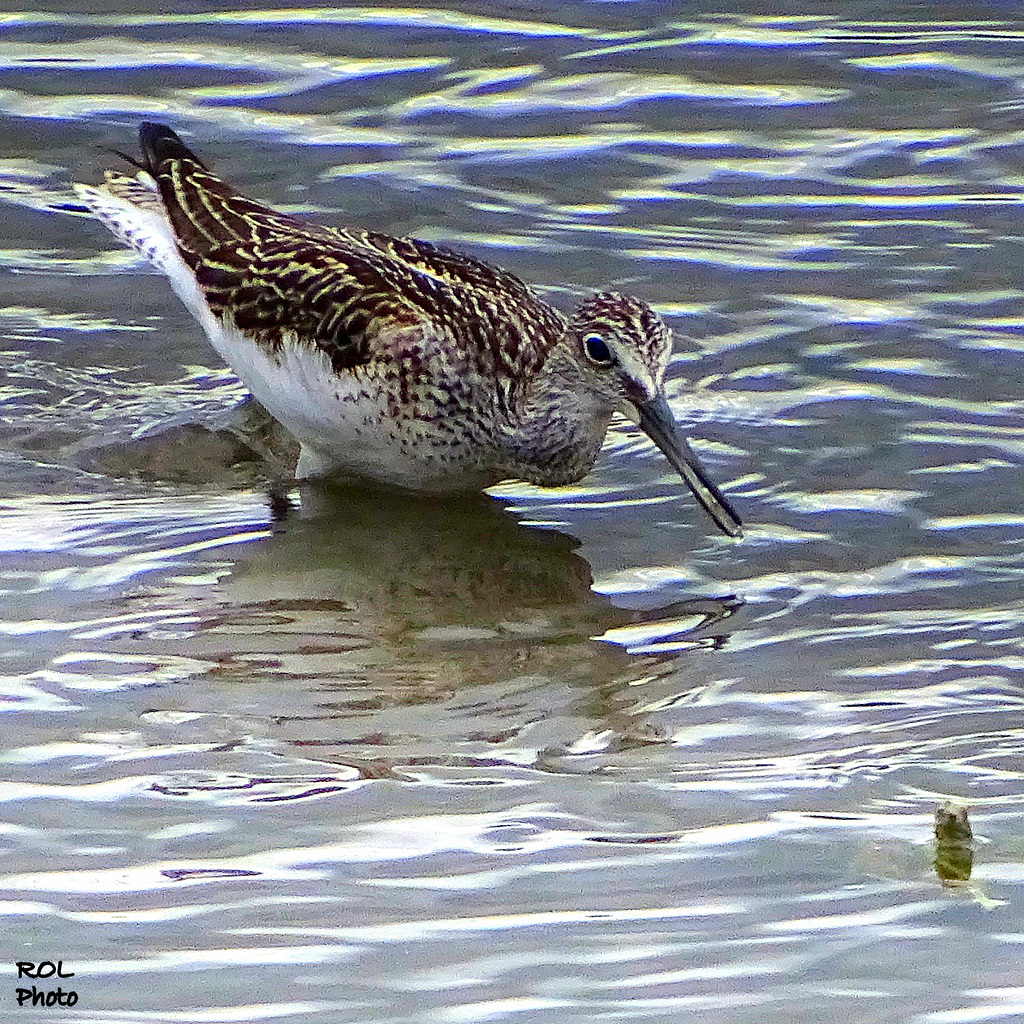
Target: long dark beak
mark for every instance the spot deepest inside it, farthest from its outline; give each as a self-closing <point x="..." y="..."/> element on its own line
<point x="658" y="423"/>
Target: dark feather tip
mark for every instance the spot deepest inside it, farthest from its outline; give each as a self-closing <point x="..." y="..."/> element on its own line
<point x="159" y="144"/>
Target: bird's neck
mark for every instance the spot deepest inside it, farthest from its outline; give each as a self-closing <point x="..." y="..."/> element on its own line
<point x="560" y="426"/>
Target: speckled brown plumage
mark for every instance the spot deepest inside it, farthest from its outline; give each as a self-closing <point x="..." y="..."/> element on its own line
<point x="393" y="357"/>
<point x="337" y="288"/>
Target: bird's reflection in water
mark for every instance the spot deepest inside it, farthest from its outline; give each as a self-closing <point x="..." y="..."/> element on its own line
<point x="367" y="604"/>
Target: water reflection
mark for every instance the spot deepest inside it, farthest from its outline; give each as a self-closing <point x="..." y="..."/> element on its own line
<point x="365" y="600"/>
<point x="337" y="612"/>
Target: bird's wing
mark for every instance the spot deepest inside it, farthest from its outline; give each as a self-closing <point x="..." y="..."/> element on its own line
<point x="346" y="292"/>
<point x="280" y="288"/>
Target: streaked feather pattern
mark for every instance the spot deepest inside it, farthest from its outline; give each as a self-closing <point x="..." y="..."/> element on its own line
<point x="392" y="357"/>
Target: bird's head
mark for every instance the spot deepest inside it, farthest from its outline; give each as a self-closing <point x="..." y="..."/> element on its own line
<point x="622" y="348"/>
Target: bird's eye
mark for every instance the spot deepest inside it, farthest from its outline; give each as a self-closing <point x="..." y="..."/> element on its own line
<point x="597" y="350"/>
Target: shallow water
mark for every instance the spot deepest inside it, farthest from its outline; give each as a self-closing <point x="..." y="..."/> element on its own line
<point x="355" y="758"/>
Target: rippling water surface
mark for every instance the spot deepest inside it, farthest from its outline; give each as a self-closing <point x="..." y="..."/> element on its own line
<point x="546" y="756"/>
